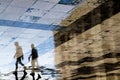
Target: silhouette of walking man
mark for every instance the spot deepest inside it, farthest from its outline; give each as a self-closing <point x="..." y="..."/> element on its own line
<point x="18" y="55"/>
<point x="34" y="56"/>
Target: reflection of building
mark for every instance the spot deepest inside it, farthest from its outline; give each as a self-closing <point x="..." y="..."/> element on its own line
<point x="89" y="47"/>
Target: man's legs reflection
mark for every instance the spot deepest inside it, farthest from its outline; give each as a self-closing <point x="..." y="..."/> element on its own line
<point x="16" y="75"/>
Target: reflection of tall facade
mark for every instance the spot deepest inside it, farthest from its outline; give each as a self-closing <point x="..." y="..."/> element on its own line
<point x="89" y="48"/>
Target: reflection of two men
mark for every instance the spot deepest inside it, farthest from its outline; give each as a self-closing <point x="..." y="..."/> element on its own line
<point x="19" y="57"/>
